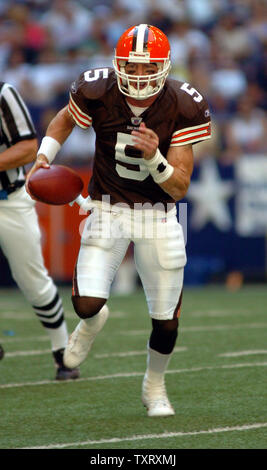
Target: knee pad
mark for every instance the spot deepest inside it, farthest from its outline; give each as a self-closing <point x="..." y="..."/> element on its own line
<point x="87" y="307"/>
<point x="164" y="335"/>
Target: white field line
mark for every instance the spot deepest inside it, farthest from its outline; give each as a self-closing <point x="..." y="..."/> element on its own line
<point x="244" y="353"/>
<point x="219" y="313"/>
<point x="13" y="315"/>
<point x="133" y="353"/>
<point x="164" y="435"/>
<point x="132" y="374"/>
<point x="27" y="353"/>
<point x="97" y="356"/>
<point x="5" y="339"/>
<point x="189" y="329"/>
<point x="16" y="315"/>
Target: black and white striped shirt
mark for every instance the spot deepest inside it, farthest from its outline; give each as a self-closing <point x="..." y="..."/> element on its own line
<point x="15" y="125"/>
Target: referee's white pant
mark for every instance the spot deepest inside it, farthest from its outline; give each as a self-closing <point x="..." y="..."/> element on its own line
<point x="20" y="240"/>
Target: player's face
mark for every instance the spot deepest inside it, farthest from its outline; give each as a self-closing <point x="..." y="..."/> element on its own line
<point x="141" y="70"/>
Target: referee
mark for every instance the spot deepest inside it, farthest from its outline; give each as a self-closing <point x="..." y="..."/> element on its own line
<point x="20" y="237"/>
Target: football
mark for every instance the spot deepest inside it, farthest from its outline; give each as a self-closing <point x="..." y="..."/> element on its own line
<point x="56" y="185"/>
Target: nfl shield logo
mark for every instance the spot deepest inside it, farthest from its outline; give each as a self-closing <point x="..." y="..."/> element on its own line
<point x="136" y="121"/>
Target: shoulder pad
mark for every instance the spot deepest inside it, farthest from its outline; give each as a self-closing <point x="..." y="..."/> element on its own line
<point x="189" y="101"/>
<point x="94" y="83"/>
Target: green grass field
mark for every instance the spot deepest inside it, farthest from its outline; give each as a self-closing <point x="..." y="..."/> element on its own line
<point x="216" y="379"/>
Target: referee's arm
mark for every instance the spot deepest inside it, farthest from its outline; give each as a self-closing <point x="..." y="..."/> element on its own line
<point x="20" y="154"/>
<point x="18" y="131"/>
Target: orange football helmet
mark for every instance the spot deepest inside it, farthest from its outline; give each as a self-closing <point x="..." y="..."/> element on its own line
<point x="142" y="44"/>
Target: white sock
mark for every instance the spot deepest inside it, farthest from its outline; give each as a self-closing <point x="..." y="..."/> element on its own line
<point x="58" y="336"/>
<point x="92" y="322"/>
<point x="157" y="364"/>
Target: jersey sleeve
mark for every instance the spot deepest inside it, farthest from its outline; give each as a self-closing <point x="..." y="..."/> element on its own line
<point x="15" y="117"/>
<point x="87" y="93"/>
<point x="77" y="105"/>
<point x="194" y="124"/>
<point x="191" y="135"/>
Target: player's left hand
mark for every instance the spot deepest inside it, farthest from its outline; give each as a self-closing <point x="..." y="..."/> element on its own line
<point x="146" y="140"/>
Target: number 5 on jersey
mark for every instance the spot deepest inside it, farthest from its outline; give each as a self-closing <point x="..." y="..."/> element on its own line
<point x="96" y="76"/>
<point x="192" y="91"/>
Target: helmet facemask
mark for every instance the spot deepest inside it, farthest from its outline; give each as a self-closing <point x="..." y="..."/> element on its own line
<point x="133" y="85"/>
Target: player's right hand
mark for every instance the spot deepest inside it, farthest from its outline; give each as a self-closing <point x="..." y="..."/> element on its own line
<point x="40" y="162"/>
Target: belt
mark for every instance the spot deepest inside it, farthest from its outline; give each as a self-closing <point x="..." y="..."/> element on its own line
<point x="10" y="189"/>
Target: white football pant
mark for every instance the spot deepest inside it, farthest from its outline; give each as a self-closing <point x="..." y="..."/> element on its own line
<point x="159" y="253"/>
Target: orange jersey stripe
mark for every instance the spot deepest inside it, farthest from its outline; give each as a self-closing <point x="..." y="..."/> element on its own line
<point x="197" y="137"/>
<point x="180" y="134"/>
<point x="77" y="119"/>
<point x="79" y="111"/>
<point x="87" y="121"/>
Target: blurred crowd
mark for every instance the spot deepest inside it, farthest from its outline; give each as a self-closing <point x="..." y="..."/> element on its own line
<point x="218" y="46"/>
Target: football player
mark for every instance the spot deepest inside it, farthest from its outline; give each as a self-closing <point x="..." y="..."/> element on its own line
<point x="145" y="126"/>
<point x="20" y="237"/>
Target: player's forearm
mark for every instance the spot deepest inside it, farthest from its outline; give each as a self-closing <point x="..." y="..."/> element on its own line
<point x="20" y="154"/>
<point x="177" y="185"/>
<point x="61" y="126"/>
<point x="182" y="160"/>
<point x="57" y="132"/>
<point x="174" y="173"/>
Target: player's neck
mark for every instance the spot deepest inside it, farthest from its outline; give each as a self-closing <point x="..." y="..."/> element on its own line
<point x="141" y="103"/>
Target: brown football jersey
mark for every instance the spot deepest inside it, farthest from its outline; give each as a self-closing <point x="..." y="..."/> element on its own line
<point x="179" y="116"/>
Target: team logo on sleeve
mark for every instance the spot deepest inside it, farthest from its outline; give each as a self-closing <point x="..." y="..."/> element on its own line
<point x="73" y="87"/>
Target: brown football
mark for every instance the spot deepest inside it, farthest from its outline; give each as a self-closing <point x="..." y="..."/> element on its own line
<point x="56" y="185"/>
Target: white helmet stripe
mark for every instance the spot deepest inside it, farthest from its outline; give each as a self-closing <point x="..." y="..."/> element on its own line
<point x="142" y="28"/>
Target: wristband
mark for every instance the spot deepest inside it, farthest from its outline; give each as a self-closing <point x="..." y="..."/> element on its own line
<point x="49" y="147"/>
<point x="159" y="168"/>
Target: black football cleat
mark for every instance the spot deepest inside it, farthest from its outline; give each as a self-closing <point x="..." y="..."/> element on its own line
<point x="63" y="372"/>
<point x="2" y="352"/>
